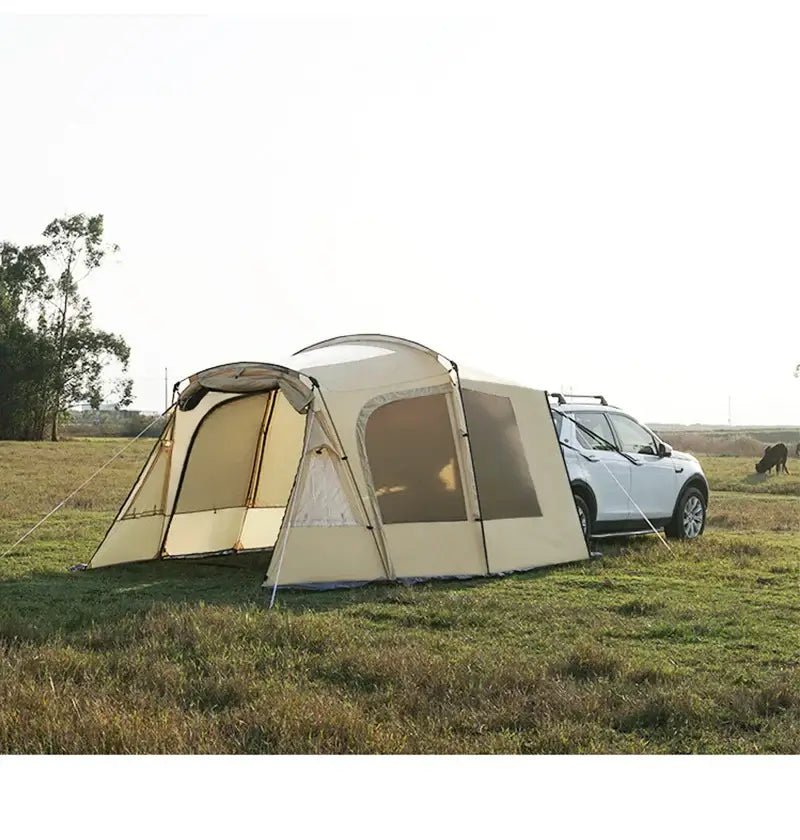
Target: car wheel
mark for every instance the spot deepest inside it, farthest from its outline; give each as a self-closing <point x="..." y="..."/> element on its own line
<point x="689" y="520"/>
<point x="584" y="516"/>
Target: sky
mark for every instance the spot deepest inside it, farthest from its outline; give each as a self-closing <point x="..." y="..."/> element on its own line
<point x="596" y="197"/>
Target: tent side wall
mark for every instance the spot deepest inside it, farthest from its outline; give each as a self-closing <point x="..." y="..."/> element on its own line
<point x="326" y="538"/>
<point x="526" y="501"/>
<point x="136" y="531"/>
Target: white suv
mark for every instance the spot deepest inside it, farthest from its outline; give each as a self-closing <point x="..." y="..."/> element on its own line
<point x="621" y="472"/>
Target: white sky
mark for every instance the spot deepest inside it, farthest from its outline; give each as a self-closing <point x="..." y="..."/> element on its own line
<point x="604" y="196"/>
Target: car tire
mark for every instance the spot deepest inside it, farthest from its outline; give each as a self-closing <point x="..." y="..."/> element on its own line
<point x="689" y="519"/>
<point x="584" y="516"/>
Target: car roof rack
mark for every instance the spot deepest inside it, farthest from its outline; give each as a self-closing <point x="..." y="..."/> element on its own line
<point x="562" y="398"/>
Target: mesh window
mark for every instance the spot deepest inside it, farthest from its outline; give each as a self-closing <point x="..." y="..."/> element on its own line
<point x="412" y="457"/>
<point x="220" y="462"/>
<point x="504" y="481"/>
<point x="149" y="498"/>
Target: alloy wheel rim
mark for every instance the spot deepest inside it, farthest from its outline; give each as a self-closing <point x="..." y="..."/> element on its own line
<point x="693" y="517"/>
<point x="582" y="518"/>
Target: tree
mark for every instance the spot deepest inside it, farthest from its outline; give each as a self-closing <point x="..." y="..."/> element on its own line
<point x="23" y="350"/>
<point x="51" y="354"/>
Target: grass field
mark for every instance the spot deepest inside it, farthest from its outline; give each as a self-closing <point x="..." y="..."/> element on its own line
<point x="640" y="651"/>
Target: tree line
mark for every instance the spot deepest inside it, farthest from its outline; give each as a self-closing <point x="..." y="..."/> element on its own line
<point x="52" y="357"/>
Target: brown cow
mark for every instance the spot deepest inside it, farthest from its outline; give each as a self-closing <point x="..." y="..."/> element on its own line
<point x="774" y="456"/>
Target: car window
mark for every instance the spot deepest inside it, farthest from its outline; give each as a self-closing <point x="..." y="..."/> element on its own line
<point x="596" y="422"/>
<point x="633" y="437"/>
<point x="558" y="420"/>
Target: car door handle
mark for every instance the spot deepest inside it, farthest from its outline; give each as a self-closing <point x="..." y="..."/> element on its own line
<point x="678" y="469"/>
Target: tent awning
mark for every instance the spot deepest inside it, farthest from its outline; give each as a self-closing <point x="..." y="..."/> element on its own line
<point x="250" y="378"/>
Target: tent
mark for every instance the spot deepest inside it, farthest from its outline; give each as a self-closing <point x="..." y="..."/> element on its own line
<point x="365" y="458"/>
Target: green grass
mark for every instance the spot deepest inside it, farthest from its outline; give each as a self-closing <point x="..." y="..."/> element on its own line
<point x="739" y="475"/>
<point x="640" y="651"/>
<point x="754" y="513"/>
<point x="37" y="476"/>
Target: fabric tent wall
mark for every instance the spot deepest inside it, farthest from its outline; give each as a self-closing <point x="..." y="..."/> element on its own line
<point x="327" y="537"/>
<point x="526" y="501"/>
<point x="275" y="476"/>
<point x="136" y="532"/>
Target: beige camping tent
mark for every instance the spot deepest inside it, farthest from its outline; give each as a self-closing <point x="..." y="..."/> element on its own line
<point x="367" y="458"/>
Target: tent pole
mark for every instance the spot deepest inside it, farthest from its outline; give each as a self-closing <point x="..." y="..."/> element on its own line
<point x="472" y="462"/>
<point x="258" y="461"/>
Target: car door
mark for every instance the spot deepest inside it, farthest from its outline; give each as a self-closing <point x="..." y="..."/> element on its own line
<point x="654" y="480"/>
<point x="609" y="473"/>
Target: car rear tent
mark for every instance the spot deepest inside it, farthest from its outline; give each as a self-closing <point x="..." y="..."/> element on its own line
<point x="365" y="458"/>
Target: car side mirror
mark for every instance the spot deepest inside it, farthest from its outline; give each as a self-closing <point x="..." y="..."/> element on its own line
<point x="664" y="449"/>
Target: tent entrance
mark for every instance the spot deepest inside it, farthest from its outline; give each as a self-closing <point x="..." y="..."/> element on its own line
<point x="237" y="476"/>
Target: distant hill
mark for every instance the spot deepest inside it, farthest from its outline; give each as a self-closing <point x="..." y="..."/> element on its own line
<point x="725" y="440"/>
<point x="768" y="434"/>
<point x="722" y="429"/>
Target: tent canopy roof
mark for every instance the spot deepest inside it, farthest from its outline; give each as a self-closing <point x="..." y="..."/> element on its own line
<point x="346" y="348"/>
<point x="352" y="359"/>
<point x="388" y="342"/>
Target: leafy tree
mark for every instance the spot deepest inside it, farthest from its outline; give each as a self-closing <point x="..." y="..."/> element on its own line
<point x="23" y="351"/>
<point x="51" y="354"/>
